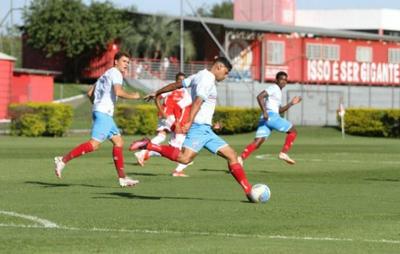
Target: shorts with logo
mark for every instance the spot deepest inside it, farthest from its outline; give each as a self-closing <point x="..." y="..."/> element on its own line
<point x="103" y="126"/>
<point x="201" y="135"/>
<point x="275" y="122"/>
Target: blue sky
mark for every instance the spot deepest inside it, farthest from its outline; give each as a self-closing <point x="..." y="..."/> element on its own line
<point x="172" y="7"/>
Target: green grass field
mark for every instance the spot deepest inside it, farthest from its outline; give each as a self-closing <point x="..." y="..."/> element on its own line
<point x="342" y="196"/>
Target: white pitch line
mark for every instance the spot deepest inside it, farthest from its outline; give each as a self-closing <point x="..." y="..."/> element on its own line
<point x="273" y="157"/>
<point x="159" y="232"/>
<point x="45" y="223"/>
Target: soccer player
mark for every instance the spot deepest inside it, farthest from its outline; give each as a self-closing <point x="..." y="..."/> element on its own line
<point x="104" y="95"/>
<point x="175" y="108"/>
<point x="200" y="133"/>
<point x="270" y="101"/>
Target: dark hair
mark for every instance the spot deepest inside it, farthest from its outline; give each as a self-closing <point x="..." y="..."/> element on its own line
<point x="224" y="61"/>
<point x="121" y="54"/>
<point x="179" y="74"/>
<point x="281" y="73"/>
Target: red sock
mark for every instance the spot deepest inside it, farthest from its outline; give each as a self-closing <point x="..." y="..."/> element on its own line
<point x="238" y="173"/>
<point x="169" y="152"/>
<point x="291" y="136"/>
<point x="78" y="151"/>
<point x="118" y="158"/>
<point x="248" y="150"/>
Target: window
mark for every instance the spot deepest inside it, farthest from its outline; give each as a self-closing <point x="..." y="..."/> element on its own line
<point x="323" y="51"/>
<point x="275" y="52"/>
<point x="364" y="54"/>
<point x="394" y="55"/>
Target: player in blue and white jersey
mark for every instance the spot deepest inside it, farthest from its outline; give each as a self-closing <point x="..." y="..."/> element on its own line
<point x="270" y="101"/>
<point x="104" y="95"/>
<point x="199" y="126"/>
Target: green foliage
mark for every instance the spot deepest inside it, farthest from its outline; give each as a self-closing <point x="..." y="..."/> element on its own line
<point x="12" y="45"/>
<point x="142" y="119"/>
<point x="223" y="10"/>
<point x="155" y="37"/>
<point x="40" y="119"/>
<point x="71" y="27"/>
<point x="236" y="120"/>
<point x="372" y="122"/>
<point x="136" y="119"/>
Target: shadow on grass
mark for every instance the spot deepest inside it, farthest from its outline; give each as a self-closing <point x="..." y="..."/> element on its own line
<point x="55" y="185"/>
<point x="129" y="195"/>
<point x="215" y="170"/>
<point x="382" y="179"/>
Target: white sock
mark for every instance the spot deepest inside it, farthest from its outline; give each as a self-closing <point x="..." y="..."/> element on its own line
<point x="180" y="167"/>
<point x="154" y="154"/>
<point x="158" y="139"/>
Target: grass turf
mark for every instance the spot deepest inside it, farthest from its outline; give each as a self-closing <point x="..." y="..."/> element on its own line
<point x="340" y="197"/>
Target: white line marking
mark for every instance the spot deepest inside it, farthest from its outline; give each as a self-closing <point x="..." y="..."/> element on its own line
<point x="45" y="223"/>
<point x="145" y="231"/>
<point x="274" y="157"/>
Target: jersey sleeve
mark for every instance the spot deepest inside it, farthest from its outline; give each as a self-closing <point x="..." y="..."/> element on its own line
<point x="187" y="82"/>
<point x="116" y="77"/>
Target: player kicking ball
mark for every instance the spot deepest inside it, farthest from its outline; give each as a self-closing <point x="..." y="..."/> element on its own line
<point x="270" y="101"/>
<point x="198" y="127"/>
<point x="104" y="95"/>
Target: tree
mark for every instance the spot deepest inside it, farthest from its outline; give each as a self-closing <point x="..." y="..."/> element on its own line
<point x="155" y="37"/>
<point x="72" y="28"/>
<point x="223" y="10"/>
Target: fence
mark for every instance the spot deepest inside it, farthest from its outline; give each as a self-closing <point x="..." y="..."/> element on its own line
<point x="320" y="102"/>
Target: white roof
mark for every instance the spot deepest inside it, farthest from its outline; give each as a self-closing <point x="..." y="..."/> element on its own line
<point x="6" y="57"/>
<point x="363" y="19"/>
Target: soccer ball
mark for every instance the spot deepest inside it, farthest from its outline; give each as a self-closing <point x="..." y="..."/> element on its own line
<point x="260" y="193"/>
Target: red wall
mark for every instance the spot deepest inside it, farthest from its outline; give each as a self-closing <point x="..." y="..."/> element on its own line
<point x="28" y="87"/>
<point x="6" y="69"/>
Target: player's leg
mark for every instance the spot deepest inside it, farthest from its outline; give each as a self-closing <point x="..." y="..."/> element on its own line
<point x="262" y="133"/>
<point x="219" y="146"/>
<point x="194" y="142"/>
<point x="280" y="124"/>
<point x="100" y="128"/>
<point x="118" y="157"/>
<point x="177" y="140"/>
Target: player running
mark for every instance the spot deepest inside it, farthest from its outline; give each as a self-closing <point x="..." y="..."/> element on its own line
<point x="173" y="114"/>
<point x="104" y="95"/>
<point x="200" y="133"/>
<point x="270" y="101"/>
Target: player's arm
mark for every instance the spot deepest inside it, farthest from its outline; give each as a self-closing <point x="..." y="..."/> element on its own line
<point x="90" y="93"/>
<point x="120" y="92"/>
<point x="294" y="101"/>
<point x="165" y="89"/>
<point x="261" y="102"/>
<point x="196" y="104"/>
<point x="159" y="106"/>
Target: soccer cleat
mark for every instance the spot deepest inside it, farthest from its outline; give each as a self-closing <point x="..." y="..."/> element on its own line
<point x="139" y="144"/>
<point x="179" y="174"/>
<point x="140" y="158"/>
<point x="240" y="160"/>
<point x="285" y="157"/>
<point x="127" y="182"/>
<point x="59" y="165"/>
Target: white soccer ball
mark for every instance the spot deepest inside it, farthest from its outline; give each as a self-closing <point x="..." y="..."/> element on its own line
<point x="260" y="193"/>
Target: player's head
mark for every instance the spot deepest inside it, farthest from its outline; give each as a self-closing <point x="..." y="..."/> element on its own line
<point x="281" y="79"/>
<point x="221" y="67"/>
<point x="179" y="76"/>
<point x="121" y="61"/>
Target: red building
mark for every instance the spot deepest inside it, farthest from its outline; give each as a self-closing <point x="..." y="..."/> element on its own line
<point x="23" y="85"/>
